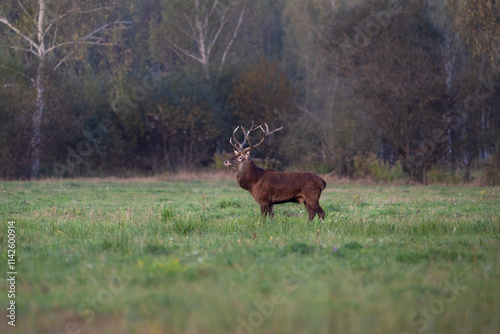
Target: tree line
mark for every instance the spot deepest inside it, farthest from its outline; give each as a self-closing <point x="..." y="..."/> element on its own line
<point x="384" y="89"/>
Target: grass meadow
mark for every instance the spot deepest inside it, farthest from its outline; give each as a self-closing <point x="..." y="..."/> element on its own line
<point x="194" y="256"/>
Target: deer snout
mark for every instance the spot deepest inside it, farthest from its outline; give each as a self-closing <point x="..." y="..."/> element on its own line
<point x="227" y="163"/>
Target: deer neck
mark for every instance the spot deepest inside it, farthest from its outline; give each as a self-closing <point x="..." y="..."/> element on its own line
<point x="248" y="175"/>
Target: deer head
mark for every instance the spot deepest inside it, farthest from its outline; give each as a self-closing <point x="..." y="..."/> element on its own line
<point x="242" y="153"/>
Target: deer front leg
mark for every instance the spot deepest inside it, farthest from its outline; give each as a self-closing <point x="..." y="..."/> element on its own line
<point x="267" y="209"/>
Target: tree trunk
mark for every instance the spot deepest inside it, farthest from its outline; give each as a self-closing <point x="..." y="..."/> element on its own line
<point x="36" y="138"/>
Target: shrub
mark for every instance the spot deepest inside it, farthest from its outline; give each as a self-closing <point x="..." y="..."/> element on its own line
<point x="369" y="166"/>
<point x="443" y="176"/>
<point x="491" y="172"/>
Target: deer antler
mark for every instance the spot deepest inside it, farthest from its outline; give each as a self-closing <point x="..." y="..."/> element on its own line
<point x="240" y="145"/>
<point x="240" y="148"/>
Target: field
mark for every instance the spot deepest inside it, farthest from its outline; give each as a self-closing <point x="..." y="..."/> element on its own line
<point x="173" y="256"/>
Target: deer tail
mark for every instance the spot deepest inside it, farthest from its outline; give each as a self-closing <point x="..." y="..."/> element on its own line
<point x="323" y="183"/>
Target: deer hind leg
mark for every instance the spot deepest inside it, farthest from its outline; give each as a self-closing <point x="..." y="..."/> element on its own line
<point x="270" y="211"/>
<point x="315" y="209"/>
<point x="320" y="212"/>
<point x="310" y="209"/>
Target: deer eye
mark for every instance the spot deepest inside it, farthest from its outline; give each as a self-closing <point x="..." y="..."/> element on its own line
<point x="240" y="158"/>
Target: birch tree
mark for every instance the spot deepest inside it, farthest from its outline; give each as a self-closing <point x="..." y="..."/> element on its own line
<point x="204" y="30"/>
<point x="50" y="34"/>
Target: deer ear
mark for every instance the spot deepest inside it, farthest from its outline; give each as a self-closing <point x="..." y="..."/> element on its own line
<point x="236" y="152"/>
<point x="247" y="155"/>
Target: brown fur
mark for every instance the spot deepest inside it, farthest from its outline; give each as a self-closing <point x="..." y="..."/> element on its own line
<point x="269" y="187"/>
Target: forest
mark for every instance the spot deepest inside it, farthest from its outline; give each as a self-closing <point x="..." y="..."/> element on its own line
<point x="399" y="89"/>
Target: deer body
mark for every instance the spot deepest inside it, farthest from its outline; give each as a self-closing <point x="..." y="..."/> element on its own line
<point x="269" y="187"/>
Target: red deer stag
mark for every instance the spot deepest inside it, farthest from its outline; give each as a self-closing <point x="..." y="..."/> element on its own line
<point x="269" y="187"/>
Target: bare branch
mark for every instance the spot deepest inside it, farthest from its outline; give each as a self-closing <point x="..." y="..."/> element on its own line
<point x="58" y="19"/>
<point x="212" y="10"/>
<point x="92" y="38"/>
<point x="209" y="14"/>
<point x="26" y="12"/>
<point x="193" y="30"/>
<point x="64" y="59"/>
<point x="22" y="49"/>
<point x="4" y="20"/>
<point x="235" y="34"/>
<point x="179" y="50"/>
<point x="223" y="22"/>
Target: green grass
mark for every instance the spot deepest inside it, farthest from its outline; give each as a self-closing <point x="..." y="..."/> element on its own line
<point x="149" y="256"/>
